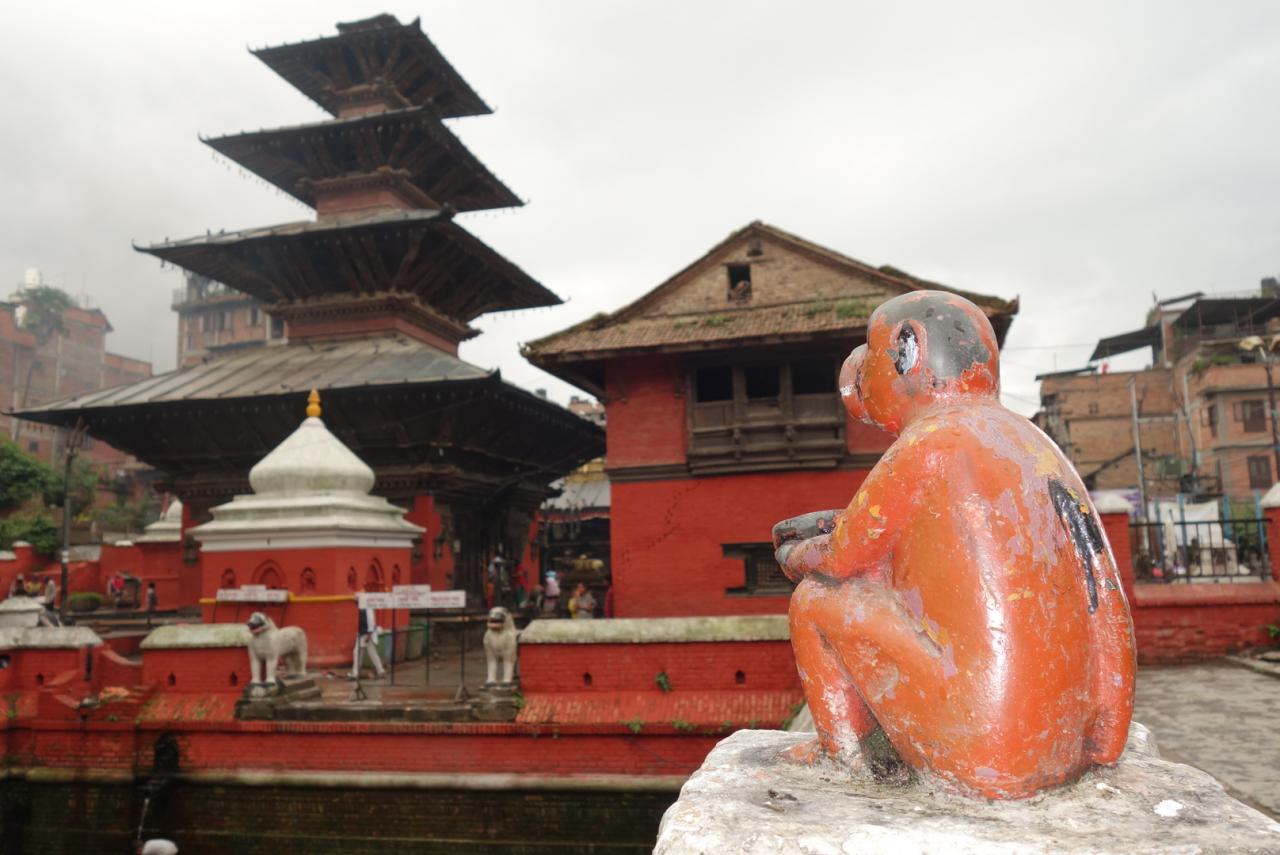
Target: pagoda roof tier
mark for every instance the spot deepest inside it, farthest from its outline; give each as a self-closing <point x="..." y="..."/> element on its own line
<point x="421" y="253"/>
<point x="417" y="416"/>
<point x="379" y="57"/>
<point x="411" y="144"/>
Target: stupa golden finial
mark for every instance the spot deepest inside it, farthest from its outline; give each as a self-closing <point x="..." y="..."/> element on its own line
<point x="313" y="405"/>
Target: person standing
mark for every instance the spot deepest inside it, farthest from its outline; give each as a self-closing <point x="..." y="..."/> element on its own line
<point x="153" y="601"/>
<point x="366" y="639"/>
<point x="115" y="588"/>
<point x="551" y="593"/>
<point x="583" y="604"/>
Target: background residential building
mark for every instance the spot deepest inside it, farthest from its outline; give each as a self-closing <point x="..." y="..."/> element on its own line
<point x="1199" y="415"/>
<point x="71" y="362"/>
<point x="213" y="317"/>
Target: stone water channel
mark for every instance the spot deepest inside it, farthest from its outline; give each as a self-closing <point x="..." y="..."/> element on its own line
<point x="343" y="814"/>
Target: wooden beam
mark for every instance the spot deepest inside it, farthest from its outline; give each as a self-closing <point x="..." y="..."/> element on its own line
<point x="400" y="278"/>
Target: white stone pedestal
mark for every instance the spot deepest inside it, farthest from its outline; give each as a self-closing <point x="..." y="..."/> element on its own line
<point x="746" y="799"/>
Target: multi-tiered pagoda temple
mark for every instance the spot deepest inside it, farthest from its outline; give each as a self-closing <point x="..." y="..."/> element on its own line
<point x="376" y="293"/>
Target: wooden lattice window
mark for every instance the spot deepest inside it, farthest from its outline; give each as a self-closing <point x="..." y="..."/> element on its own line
<point x="760" y="571"/>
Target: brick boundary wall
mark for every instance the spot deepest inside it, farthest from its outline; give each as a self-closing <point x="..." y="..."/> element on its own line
<point x="1189" y="623"/>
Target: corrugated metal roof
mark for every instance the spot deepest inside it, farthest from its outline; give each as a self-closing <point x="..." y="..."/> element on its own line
<point x="577" y="495"/>
<point x="281" y="369"/>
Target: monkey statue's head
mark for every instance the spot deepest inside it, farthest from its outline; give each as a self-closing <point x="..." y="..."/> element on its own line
<point x="921" y="348"/>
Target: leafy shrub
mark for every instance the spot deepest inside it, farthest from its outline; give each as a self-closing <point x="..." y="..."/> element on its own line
<point x="36" y="529"/>
<point x="84" y="601"/>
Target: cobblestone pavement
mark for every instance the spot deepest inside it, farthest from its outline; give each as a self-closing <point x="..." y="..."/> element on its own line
<point x="1221" y="718"/>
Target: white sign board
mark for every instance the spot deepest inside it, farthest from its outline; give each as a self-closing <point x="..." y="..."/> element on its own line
<point x="412" y="596"/>
<point x="254" y="594"/>
<point x="378" y="600"/>
<point x="448" y="600"/>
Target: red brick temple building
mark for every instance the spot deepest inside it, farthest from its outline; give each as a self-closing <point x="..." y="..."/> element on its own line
<point x="375" y="294"/>
<point x="723" y="416"/>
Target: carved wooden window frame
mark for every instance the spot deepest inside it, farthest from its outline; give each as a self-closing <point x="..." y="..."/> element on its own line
<point x="755" y="440"/>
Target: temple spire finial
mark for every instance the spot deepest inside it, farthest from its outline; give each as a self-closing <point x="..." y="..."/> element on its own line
<point x="313" y="405"/>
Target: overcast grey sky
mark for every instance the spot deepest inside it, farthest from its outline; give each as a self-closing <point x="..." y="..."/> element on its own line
<point x="1081" y="155"/>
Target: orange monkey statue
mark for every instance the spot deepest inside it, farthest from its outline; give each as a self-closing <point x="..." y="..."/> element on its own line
<point x="963" y="615"/>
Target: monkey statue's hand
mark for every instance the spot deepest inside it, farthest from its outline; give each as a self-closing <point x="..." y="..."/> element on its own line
<point x="798" y="541"/>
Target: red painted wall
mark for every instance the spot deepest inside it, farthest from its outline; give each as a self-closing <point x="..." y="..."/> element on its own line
<point x="703" y="667"/>
<point x="1186" y="623"/>
<point x="646" y="413"/>
<point x="218" y="670"/>
<point x="667" y="534"/>
<point x="344" y="747"/>
<point x="429" y="570"/>
<point x="667" y="558"/>
<point x="322" y="583"/>
<point x="176" y="583"/>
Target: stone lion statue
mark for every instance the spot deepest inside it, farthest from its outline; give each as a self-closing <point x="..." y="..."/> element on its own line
<point x="500" y="647"/>
<point x="268" y="643"/>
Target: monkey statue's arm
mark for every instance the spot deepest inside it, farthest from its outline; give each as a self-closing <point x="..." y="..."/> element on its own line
<point x="853" y="542"/>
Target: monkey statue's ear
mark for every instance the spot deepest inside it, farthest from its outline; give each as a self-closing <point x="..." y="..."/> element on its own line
<point x="851" y="383"/>
<point x="908" y="343"/>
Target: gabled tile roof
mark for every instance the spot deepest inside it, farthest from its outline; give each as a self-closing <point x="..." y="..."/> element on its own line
<point x="661" y="320"/>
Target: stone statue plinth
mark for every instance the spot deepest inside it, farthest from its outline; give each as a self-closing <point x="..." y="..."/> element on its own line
<point x="496" y="703"/>
<point x="747" y="798"/>
<point x="257" y="705"/>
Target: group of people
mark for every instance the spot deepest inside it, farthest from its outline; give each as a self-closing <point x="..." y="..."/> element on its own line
<point x="46" y="594"/>
<point x="582" y="604"/>
<point x="505" y="585"/>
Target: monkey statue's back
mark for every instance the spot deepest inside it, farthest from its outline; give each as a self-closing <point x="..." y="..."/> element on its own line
<point x="963" y="614"/>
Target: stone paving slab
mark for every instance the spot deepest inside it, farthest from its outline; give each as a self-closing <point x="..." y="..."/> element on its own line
<point x="1220" y="718"/>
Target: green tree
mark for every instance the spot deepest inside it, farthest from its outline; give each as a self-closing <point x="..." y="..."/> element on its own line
<point x="127" y="516"/>
<point x="38" y="529"/>
<point x="43" y="309"/>
<point x="83" y="486"/>
<point x="21" y="476"/>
